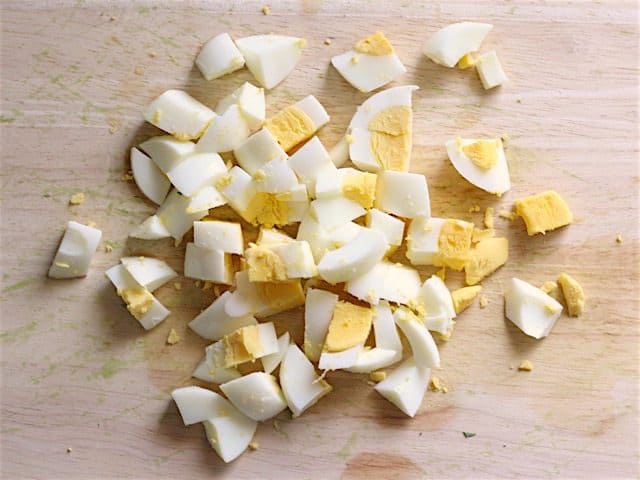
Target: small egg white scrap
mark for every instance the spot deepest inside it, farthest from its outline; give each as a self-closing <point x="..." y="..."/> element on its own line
<point x="257" y="395"/>
<point x="75" y="252"/>
<point x="213" y="323"/>
<point x="487" y="170"/>
<point x="208" y="264"/>
<point x="167" y="151"/>
<point x="196" y="171"/>
<point x="270" y="362"/>
<point x="405" y="386"/>
<point x="318" y="311"/>
<point x="335" y="211"/>
<point x="206" y="198"/>
<point x="425" y="351"/>
<point x="218" y="376"/>
<point x="151" y="229"/>
<point x="229" y="433"/>
<point x="404" y="194"/>
<point x="388" y="281"/>
<point x="251" y="101"/>
<point x="179" y="114"/>
<point x="314" y="110"/>
<point x="197" y="404"/>
<point x="490" y="70"/>
<point x="225" y="132"/>
<point x="436" y="299"/>
<point x="218" y="57"/>
<point x="149" y="272"/>
<point x="339" y="360"/>
<point x="148" y="177"/>
<point x="309" y="161"/>
<point x="449" y="44"/>
<point x="224" y="236"/>
<point x="530" y="309"/>
<point x="391" y="227"/>
<point x="174" y="215"/>
<point x="257" y="150"/>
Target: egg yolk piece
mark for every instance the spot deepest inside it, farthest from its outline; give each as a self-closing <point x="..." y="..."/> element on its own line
<point x="264" y="265"/>
<point x="483" y="153"/>
<point x="290" y="127"/>
<point x="281" y="296"/>
<point x="350" y="326"/>
<point x="454" y="243"/>
<point x="242" y="346"/>
<point x="361" y="188"/>
<point x="488" y="255"/>
<point x="573" y="294"/>
<point x="376" y="44"/>
<point x="268" y="209"/>
<point x="138" y="300"/>
<point x="391" y="137"/>
<point x="543" y="212"/>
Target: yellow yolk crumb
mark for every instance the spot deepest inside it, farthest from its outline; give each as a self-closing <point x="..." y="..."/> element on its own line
<point x="479" y="235"/>
<point x="454" y="244"/>
<point x="376" y="44"/>
<point x="264" y="265"/>
<point x="268" y="209"/>
<point x="543" y="212"/>
<point x="484" y="301"/>
<point x="173" y="337"/>
<point x="266" y="10"/>
<point x="488" y="218"/>
<point x="436" y="385"/>
<point x="466" y="62"/>
<point x="487" y="256"/>
<point x="360" y="188"/>
<point x="483" y="153"/>
<point x="463" y="297"/>
<point x="281" y="296"/>
<point x="507" y="215"/>
<point x="573" y="294"/>
<point x="241" y="346"/>
<point x="327" y="41"/>
<point x="378" y="375"/>
<point x="224" y="181"/>
<point x="290" y="127"/>
<point x="76" y="198"/>
<point x="442" y="273"/>
<point x="355" y="59"/>
<point x="254" y="445"/>
<point x="62" y="265"/>
<point x="552" y="289"/>
<point x="259" y="175"/>
<point x="391" y="137"/>
<point x="349" y="138"/>
<point x="177" y="286"/>
<point x="525" y="366"/>
<point x="138" y="300"/>
<point x="350" y="326"/>
<point x="618" y="238"/>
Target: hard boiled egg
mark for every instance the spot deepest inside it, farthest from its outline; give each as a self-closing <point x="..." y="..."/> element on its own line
<point x="263" y="298"/>
<point x="208" y="264"/>
<point x="167" y="151"/>
<point x="257" y="150"/>
<point x="449" y="44"/>
<point x="425" y="351"/>
<point x="151" y="229"/>
<point x="225" y="132"/>
<point x="318" y="310"/>
<point x="309" y="161"/>
<point x="178" y="113"/>
<point x="481" y="162"/>
<point x="391" y="227"/>
<point x="75" y="252"/>
<point x="403" y="194"/>
<point x="196" y="171"/>
<point x="149" y="272"/>
<point x="213" y="322"/>
<point x="270" y="362"/>
<point x="251" y="101"/>
<point x="224" y="236"/>
<point x="220" y="375"/>
<point x="388" y="281"/>
<point x="489" y="70"/>
<point x="230" y="432"/>
<point x="218" y="57"/>
<point x="197" y="404"/>
<point x="435" y="300"/>
<point x="257" y="395"/>
<point x="298" y="122"/>
<point x="406" y="385"/>
<point x="334" y="212"/>
<point x="339" y="360"/>
<point x="174" y="214"/>
<point x="148" y="177"/>
<point x="530" y="309"/>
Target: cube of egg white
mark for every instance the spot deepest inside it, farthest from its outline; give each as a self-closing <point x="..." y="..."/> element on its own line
<point x="213" y="323"/>
<point x="297" y="258"/>
<point x="257" y="150"/>
<point x="384" y="328"/>
<point x="251" y="101"/>
<point x="179" y="114"/>
<point x="329" y="182"/>
<point x="391" y="227"/>
<point x="196" y="404"/>
<point x="225" y="132"/>
<point x="195" y="171"/>
<point x="174" y="214"/>
<point x="151" y="229"/>
<point x="335" y="211"/>
<point x="388" y="281"/>
<point x="422" y="240"/>
<point x="270" y="362"/>
<point x="309" y="161"/>
<point x="218" y="57"/>
<point x="257" y="395"/>
<point x="166" y="151"/>
<point x="271" y="236"/>
<point x="318" y="311"/>
<point x="230" y="433"/>
<point x="489" y="70"/>
<point x="215" y="234"/>
<point x="243" y="345"/>
<point x="403" y="194"/>
<point x="237" y="188"/>
<point x="530" y="309"/>
<point x="208" y="264"/>
<point x="76" y="249"/>
<point x="405" y="386"/>
<point x="205" y="198"/>
<point x="149" y="272"/>
<point x="148" y="176"/>
<point x="276" y="176"/>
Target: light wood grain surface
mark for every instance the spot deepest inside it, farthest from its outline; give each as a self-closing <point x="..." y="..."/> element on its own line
<point x="79" y="373"/>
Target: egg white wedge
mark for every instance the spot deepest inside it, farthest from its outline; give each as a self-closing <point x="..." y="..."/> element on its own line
<point x="490" y="70"/>
<point x="333" y="212"/>
<point x="297" y="259"/>
<point x="296" y="123"/>
<point x="218" y="57"/>
<point x="272" y="236"/>
<point x="366" y="67"/>
<point x="251" y="101"/>
<point x="151" y="229"/>
<point x="380" y="132"/>
<point x="197" y="404"/>
<point x="329" y="182"/>
<point x="179" y="114"/>
<point x="385" y="330"/>
<point x="75" y="251"/>
<point x="405" y="386"/>
<point x="403" y="194"/>
<point x="276" y="176"/>
<point x="218" y="376"/>
<point x="229" y="433"/>
<point x="148" y="177"/>
<point x="422" y="240"/>
<point x="149" y="272"/>
<point x="530" y="309"/>
<point x="167" y="151"/>
<point x="436" y="299"/>
<point x="391" y="227"/>
<point x="196" y="171"/>
<point x="213" y="323"/>
<point x="208" y="264"/>
<point x="371" y="359"/>
<point x="339" y="360"/>
<point x="271" y="58"/>
<point x="237" y="188"/>
<point x="318" y="311"/>
<point x="174" y="214"/>
<point x="387" y="281"/>
<point x="449" y="44"/>
<point x="310" y="231"/>
<point x="481" y="162"/>
<point x="257" y="150"/>
<point x="257" y="395"/>
<point x="425" y="351"/>
<point x="309" y="161"/>
<point x="205" y="198"/>
<point x="225" y="132"/>
<point x="224" y="236"/>
<point x="301" y="385"/>
<point x="270" y="362"/>
<point x="339" y="153"/>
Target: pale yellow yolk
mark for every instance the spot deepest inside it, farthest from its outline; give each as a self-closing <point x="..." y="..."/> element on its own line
<point x="350" y="326"/>
<point x="466" y="62"/>
<point x="138" y="300"/>
<point x="360" y="188"/>
<point x="392" y="121"/>
<point x="454" y="244"/>
<point x="487" y="256"/>
<point x="463" y="297"/>
<point x="376" y="44"/>
<point x="281" y="296"/>
<point x="173" y="337"/>
<point x="488" y="218"/>
<point x="483" y="153"/>
<point x="525" y="366"/>
<point x="264" y="265"/>
<point x="479" y="235"/>
<point x="573" y="294"/>
<point x="290" y="127"/>
<point x="391" y="137"/>
<point x="378" y="375"/>
<point x="543" y="211"/>
<point x="552" y="289"/>
<point x="268" y="209"/>
<point x="241" y="346"/>
<point x="224" y="181"/>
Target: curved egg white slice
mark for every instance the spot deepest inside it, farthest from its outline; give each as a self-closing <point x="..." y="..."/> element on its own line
<point x="270" y="362"/>
<point x="148" y="177"/>
<point x="405" y="386"/>
<point x="368" y="72"/>
<point x="530" y="309"/>
<point x="218" y="57"/>
<point x="339" y="360"/>
<point x="257" y="395"/>
<point x="449" y="44"/>
<point x="197" y="404"/>
<point x="151" y="229"/>
<point x="494" y="179"/>
<point x="230" y="432"/>
<point x="423" y="347"/>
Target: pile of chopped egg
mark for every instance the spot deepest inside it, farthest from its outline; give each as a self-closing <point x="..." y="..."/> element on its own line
<point x="349" y="219"/>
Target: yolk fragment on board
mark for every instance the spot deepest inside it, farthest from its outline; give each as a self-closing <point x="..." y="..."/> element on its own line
<point x="138" y="300"/>
<point x="281" y="295"/>
<point x="552" y="289"/>
<point x="391" y="137"/>
<point x="454" y="243"/>
<point x="268" y="209"/>
<point x="487" y="256"/>
<point x="376" y="44"/>
<point x="241" y="346"/>
<point x="350" y="326"/>
<point x="463" y="297"/>
<point x="467" y="61"/>
<point x="573" y="294"/>
<point x="264" y="265"/>
<point x="483" y="153"/>
<point x="543" y="212"/>
<point x="360" y="188"/>
<point x="290" y="126"/>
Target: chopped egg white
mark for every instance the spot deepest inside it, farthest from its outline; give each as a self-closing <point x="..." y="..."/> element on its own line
<point x="339" y="153"/>
<point x="425" y="351"/>
<point x="449" y="44"/>
<point x="250" y="100"/>
<point x="219" y="56"/>
<point x="318" y="310"/>
<point x="257" y="150"/>
<point x="151" y="229"/>
<point x="435" y="299"/>
<point x="174" y="214"/>
<point x="296" y="123"/>
<point x="167" y="151"/>
<point x="489" y="70"/>
<point x="297" y="259"/>
<point x="179" y="114"/>
<point x="387" y="281"/>
<point x="270" y="362"/>
<point x="75" y="251"/>
<point x="256" y="394"/>
<point x="339" y="360"/>
<point x="196" y="171"/>
<point x="530" y="309"/>
<point x="220" y="375"/>
<point x="309" y="161"/>
<point x="224" y="236"/>
<point x="403" y="194"/>
<point x="481" y="162"/>
<point x="225" y="132"/>
<point x="148" y="177"/>
<point x="230" y="432"/>
<point x="209" y="264"/>
<point x="197" y="404"/>
<point x="334" y="212"/>
<point x="237" y="189"/>
<point x="149" y="272"/>
<point x="391" y="227"/>
<point x="213" y="322"/>
<point x="405" y="386"/>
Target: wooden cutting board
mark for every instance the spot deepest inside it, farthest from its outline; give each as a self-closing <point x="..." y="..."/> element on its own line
<point x="85" y="391"/>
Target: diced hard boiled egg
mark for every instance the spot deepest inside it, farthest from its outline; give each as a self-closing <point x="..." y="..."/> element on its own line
<point x="391" y="227"/>
<point x="174" y="214"/>
<point x="530" y="309"/>
<point x="309" y="161"/>
<point x="318" y="311"/>
<point x="403" y="194"/>
<point x="220" y="375"/>
<point x="371" y="359"/>
<point x="339" y="360"/>
<point x="223" y="236"/>
<point x="276" y="176"/>
<point x="257" y="150"/>
<point x="489" y="70"/>
<point x="435" y="301"/>
<point x="225" y="132"/>
<point x="425" y="351"/>
<point x="297" y="259"/>
<point x="271" y="58"/>
<point x="406" y="385"/>
<point x="296" y="123"/>
<point x="237" y="189"/>
<point x="148" y="177"/>
<point x="543" y="212"/>
<point x="166" y="151"/>
<point x="76" y="249"/>
<point x="339" y="153"/>
<point x="151" y="229"/>
<point x="301" y="385"/>
<point x="257" y="395"/>
<point x="334" y="212"/>
<point x="264" y="265"/>
<point x="387" y="281"/>
<point x="230" y="432"/>
<point x="379" y="133"/>
<point x="422" y="240"/>
<point x="463" y="297"/>
<point x="350" y="326"/>
<point x="251" y="101"/>
<point x="263" y="298"/>
<point x="359" y="187"/>
<point x="196" y="171"/>
<point x="485" y="258"/>
<point x="439" y="242"/>
<point x="271" y="236"/>
<point x="245" y="344"/>
<point x="449" y="44"/>
<point x="205" y="198"/>
<point x="179" y="114"/>
<point x="371" y="64"/>
<point x="218" y="57"/>
<point x="213" y="323"/>
<point x="481" y="162"/>
<point x="197" y="404"/>
<point x="149" y="272"/>
<point x="270" y="362"/>
<point x="209" y="264"/>
<point x="573" y="294"/>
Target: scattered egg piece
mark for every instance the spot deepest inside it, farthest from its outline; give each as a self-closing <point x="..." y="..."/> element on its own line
<point x="259" y="149"/>
<point x="224" y="236"/>
<point x="391" y="227"/>
<point x="573" y="294"/>
<point x="405" y="386"/>
<point x="263" y="298"/>
<point x="484" y="301"/>
<point x="490" y="70"/>
<point x="230" y="432"/>
<point x="350" y="326"/>
<point x="436" y="385"/>
<point x="148" y="177"/>
<point x="339" y="360"/>
<point x="297" y="123"/>
<point x="151" y="273"/>
<point x="218" y="57"/>
<point x="530" y="309"/>
<point x="75" y="251"/>
<point x="387" y="281"/>
<point x="179" y="114"/>
<point x="270" y="362"/>
<point x="378" y="376"/>
<point x="543" y="212"/>
<point x="618" y="238"/>
<point x="166" y="151"/>
<point x="151" y="229"/>
<point x="507" y="215"/>
<point x="425" y="351"/>
<point x="339" y="153"/>
<point x="467" y="61"/>
<point x="552" y="289"/>
<point x="173" y="337"/>
<point x="257" y="395"/>
<point x="488" y="218"/>
<point x="266" y="10"/>
<point x="403" y="194"/>
<point x="208" y="264"/>
<point x="451" y="43"/>
<point x="525" y="366"/>
<point x="76" y="198"/>
<point x="196" y="171"/>
<point x="213" y="323"/>
<point x="463" y="297"/>
<point x="251" y="102"/>
<point x="197" y="404"/>
<point x="225" y="132"/>
<point x="318" y="312"/>
<point x="435" y="306"/>
<point x="485" y="258"/>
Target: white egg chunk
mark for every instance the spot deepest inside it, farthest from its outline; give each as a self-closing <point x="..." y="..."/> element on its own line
<point x="481" y="162"/>
<point x="334" y="212"/>
<point x="380" y="132"/>
<point x="318" y="311"/>
<point x="354" y="258"/>
<point x="449" y="44"/>
<point x="148" y="177"/>
<point x="166" y="151"/>
<point x="489" y="70"/>
<point x="339" y="153"/>
<point x="297" y="123"/>
<point x="309" y="161"/>
<point x="243" y="345"/>
<point x="208" y="264"/>
<point x="229" y="433"/>
<point x="213" y="323"/>
<point x="297" y="259"/>
<point x="195" y="171"/>
<point x="75" y="252"/>
<point x="301" y="385"/>
<point x="205" y="198"/>
<point x="197" y="404"/>
<point x="405" y="386"/>
<point x="530" y="309"/>
<point x="237" y="189"/>
<point x="218" y="57"/>
<point x="214" y="371"/>
<point x="425" y="351"/>
<point x="257" y="150"/>
<point x="387" y="281"/>
<point x="391" y="227"/>
<point x="329" y="182"/>
<point x="151" y="229"/>
<point x="257" y="395"/>
<point x="271" y="236"/>
<point x="422" y="240"/>
<point x="250" y="100"/>
<point x="225" y="132"/>
<point x="271" y="58"/>
<point x="403" y="194"/>
<point x="220" y="375"/>
<point x="435" y="300"/>
<point x="223" y="236"/>
<point x="270" y="362"/>
<point x="179" y="114"/>
<point x="339" y="360"/>
<point x="149" y="272"/>
<point x="371" y="359"/>
<point x="174" y="215"/>
<point x="371" y="63"/>
<point x="275" y="176"/>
